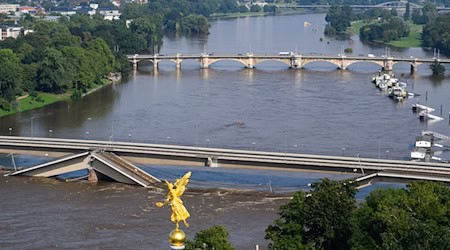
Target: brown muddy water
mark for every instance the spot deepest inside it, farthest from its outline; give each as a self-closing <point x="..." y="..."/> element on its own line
<point x="41" y="213"/>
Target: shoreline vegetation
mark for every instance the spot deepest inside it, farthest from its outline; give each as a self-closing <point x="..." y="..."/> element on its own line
<point x="214" y="16"/>
<point x="412" y="40"/>
<point x="42" y="99"/>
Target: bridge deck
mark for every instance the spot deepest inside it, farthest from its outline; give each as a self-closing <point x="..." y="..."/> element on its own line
<point x="185" y="155"/>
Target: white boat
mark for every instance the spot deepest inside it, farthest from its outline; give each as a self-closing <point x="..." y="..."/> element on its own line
<point x="418" y="154"/>
<point x="423" y="141"/>
<point x="425" y="115"/>
<point x="418" y="107"/>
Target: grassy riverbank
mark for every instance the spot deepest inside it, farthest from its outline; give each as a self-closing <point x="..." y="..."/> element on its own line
<point x="250" y="14"/>
<point x="412" y="40"/>
<point x="234" y="15"/>
<point x="43" y="99"/>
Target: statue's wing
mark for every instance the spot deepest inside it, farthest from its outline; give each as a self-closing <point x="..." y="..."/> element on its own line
<point x="181" y="184"/>
<point x="169" y="185"/>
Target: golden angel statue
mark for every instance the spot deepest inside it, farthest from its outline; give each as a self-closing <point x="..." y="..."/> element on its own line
<point x="179" y="212"/>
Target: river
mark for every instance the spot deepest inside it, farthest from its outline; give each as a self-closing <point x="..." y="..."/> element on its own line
<point x="317" y="110"/>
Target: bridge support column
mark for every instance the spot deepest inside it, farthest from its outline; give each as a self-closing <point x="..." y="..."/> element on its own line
<point x="204" y="61"/>
<point x="296" y="62"/>
<point x="92" y="176"/>
<point x="388" y="64"/>
<point x="342" y="65"/>
<point x="135" y="63"/>
<point x="212" y="162"/>
<point x="177" y="62"/>
<point x="414" y="66"/>
<point x="250" y="64"/>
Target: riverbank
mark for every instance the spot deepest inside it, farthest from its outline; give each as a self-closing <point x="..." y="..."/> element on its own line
<point x="412" y="40"/>
<point x="42" y="99"/>
<point x="254" y="14"/>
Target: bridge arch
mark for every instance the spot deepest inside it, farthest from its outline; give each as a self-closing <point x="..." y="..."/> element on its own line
<point x="284" y="61"/>
<point x="308" y="61"/>
<point x="353" y="62"/>
<point x="245" y="62"/>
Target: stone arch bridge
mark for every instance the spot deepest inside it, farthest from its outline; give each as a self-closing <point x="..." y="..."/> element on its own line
<point x="293" y="61"/>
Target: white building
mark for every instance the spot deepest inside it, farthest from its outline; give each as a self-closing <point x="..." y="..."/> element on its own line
<point x="6" y="8"/>
<point x="13" y="32"/>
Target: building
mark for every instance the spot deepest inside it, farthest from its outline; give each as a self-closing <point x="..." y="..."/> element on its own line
<point x="7" y="8"/>
<point x="109" y="13"/>
<point x="28" y="10"/>
<point x="12" y="32"/>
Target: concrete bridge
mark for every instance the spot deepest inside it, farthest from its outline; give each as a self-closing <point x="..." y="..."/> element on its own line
<point x="367" y="170"/>
<point x="397" y="5"/>
<point x="292" y="60"/>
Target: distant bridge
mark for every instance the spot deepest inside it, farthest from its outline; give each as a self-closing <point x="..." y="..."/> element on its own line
<point x="113" y="159"/>
<point x="398" y="5"/>
<point x="293" y="60"/>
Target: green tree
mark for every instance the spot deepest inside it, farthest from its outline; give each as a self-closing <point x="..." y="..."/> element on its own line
<point x="10" y="74"/>
<point x="437" y="68"/>
<point x="101" y="55"/>
<point x="412" y="218"/>
<point x="51" y="75"/>
<point x="407" y="14"/>
<point x="215" y="237"/>
<point x="194" y="24"/>
<point x="316" y="219"/>
<point x="339" y="17"/>
<point x="255" y="8"/>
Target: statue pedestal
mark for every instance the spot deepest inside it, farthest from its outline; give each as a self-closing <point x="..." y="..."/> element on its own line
<point x="176" y="248"/>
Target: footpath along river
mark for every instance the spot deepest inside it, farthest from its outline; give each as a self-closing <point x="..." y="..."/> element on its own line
<point x="315" y="110"/>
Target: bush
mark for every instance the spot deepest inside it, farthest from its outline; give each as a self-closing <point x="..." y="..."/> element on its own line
<point x="77" y="94"/>
<point x="215" y="237"/>
<point x="5" y="105"/>
<point x="33" y="93"/>
<point x="39" y="99"/>
<point x="348" y="50"/>
<point x="329" y="31"/>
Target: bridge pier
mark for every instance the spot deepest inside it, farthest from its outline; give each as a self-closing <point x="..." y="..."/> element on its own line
<point x="135" y="63"/>
<point x="212" y="162"/>
<point x="388" y="64"/>
<point x="178" y="63"/>
<point x="414" y="66"/>
<point x="296" y="62"/>
<point x="250" y="63"/>
<point x="204" y="61"/>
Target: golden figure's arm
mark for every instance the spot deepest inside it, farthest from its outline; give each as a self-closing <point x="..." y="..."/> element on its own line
<point x="161" y="204"/>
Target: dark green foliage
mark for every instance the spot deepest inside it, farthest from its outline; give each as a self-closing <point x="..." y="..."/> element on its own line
<point x="215" y="237"/>
<point x="77" y="94"/>
<point x="436" y="33"/>
<point x="269" y="8"/>
<point x="407" y="14"/>
<point x="10" y="74"/>
<point x="329" y="31"/>
<point x="194" y="24"/>
<point x="413" y="218"/>
<point x="374" y="13"/>
<point x="5" y="105"/>
<point x="437" y="68"/>
<point x="428" y="13"/>
<point x="316" y="219"/>
<point x="255" y="8"/>
<point x="327" y="218"/>
<point x="39" y="99"/>
<point x="384" y="31"/>
<point x="348" y="50"/>
<point x="339" y="17"/>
